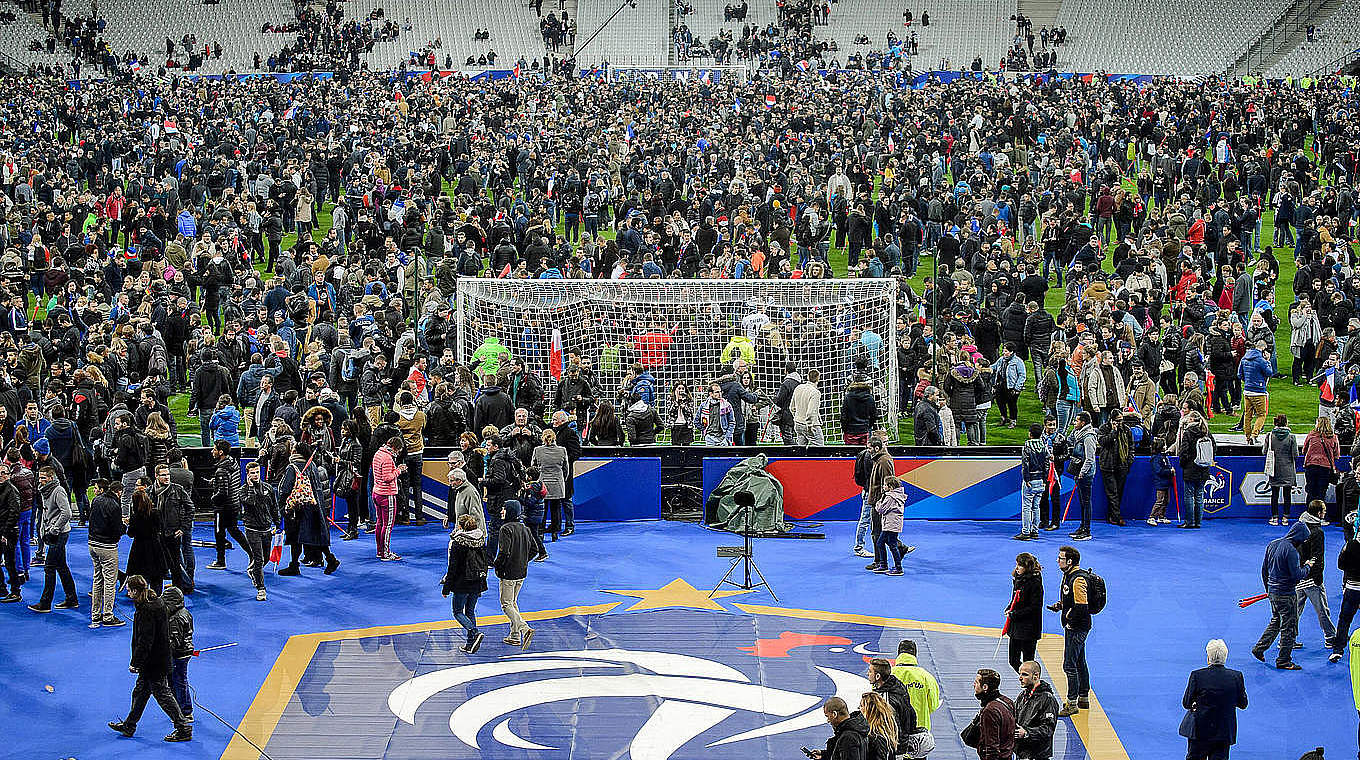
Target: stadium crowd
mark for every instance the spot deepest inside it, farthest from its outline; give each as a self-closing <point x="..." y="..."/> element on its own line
<point x="1095" y="242"/>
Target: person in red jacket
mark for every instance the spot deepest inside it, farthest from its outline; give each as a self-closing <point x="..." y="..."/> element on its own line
<point x="992" y="732"/>
<point x="388" y="468"/>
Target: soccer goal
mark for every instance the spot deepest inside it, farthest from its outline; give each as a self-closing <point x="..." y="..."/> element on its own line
<point x="691" y="331"/>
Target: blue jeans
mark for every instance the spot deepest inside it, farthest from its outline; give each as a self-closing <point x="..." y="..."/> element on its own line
<point x="1030" y="493"/>
<point x="866" y="511"/>
<point x="465" y="612"/>
<point x="1350" y="602"/>
<point x="1083" y="488"/>
<point x="1284" y="623"/>
<point x="887" y="542"/>
<point x="1067" y="410"/>
<point x="1074" y="664"/>
<point x="204" y="418"/>
<point x="24" y="553"/>
<point x="179" y="685"/>
<point x="1194" y="503"/>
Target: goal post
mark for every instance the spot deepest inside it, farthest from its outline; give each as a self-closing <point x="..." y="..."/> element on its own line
<point x="690" y="331"/>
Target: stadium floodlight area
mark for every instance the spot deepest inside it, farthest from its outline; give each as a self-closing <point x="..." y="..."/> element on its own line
<point x="691" y="331"/>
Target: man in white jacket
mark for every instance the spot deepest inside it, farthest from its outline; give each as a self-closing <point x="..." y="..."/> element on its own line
<point x="807" y="417"/>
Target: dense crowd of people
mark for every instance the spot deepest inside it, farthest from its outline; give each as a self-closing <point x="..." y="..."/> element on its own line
<point x="144" y="263"/>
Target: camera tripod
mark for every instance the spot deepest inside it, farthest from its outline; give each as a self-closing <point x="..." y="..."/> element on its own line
<point x="743" y="555"/>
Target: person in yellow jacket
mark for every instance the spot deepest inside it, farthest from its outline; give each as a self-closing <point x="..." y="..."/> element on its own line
<point x="739" y="346"/>
<point x="923" y="691"/>
<point x="1354" y="647"/>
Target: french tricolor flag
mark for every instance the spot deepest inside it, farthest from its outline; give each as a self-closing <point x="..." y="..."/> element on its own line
<point x="290" y="113"/>
<point x="769" y="101"/>
<point x="802" y="65"/>
<point x="555" y="355"/>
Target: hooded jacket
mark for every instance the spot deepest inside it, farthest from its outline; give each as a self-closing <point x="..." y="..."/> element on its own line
<point x="151" y="639"/>
<point x="850" y="740"/>
<point x="1036" y="711"/>
<point x="181" y="624"/>
<point x="1315" y="548"/>
<point x="515" y="545"/>
<point x="922" y="688"/>
<point x="963" y="385"/>
<point x="859" y="409"/>
<point x="1254" y="371"/>
<point x="492" y="407"/>
<point x="895" y="692"/>
<point x="466" y="572"/>
<point x="1282" y="569"/>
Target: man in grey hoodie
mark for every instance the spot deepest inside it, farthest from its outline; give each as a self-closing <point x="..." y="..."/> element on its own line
<point x="54" y="531"/>
<point x="1084" y="450"/>
<point x="1310" y="589"/>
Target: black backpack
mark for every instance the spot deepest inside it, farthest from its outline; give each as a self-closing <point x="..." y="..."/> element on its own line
<point x="1062" y="448"/>
<point x="1095" y="592"/>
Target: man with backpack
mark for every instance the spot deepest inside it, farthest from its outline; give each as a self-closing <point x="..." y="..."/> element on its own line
<point x="1074" y="604"/>
<point x="1116" y="457"/>
<point x="1196" y="450"/>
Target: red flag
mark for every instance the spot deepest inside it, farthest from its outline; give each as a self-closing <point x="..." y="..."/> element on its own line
<point x="555" y="355"/>
<point x="505" y="272"/>
<point x="276" y="549"/>
<point x="1015" y="599"/>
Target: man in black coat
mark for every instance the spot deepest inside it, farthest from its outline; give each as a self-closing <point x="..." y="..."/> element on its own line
<point x="1036" y="715"/>
<point x="151" y="663"/>
<point x="851" y="735"/>
<point x="783" y="399"/>
<point x="1212" y="698"/>
<point x="503" y="478"/>
<point x="512" y="566"/>
<point x="211" y="381"/>
<point x="569" y="439"/>
<point x="887" y="685"/>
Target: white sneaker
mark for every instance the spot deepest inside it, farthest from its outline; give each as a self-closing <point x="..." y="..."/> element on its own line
<point x="860" y="551"/>
<point x="1152" y="521"/>
<point x="260" y="596"/>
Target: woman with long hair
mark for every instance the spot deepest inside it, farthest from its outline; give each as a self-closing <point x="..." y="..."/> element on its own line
<point x="349" y="461"/>
<point x="881" y="742"/>
<point x="147" y="555"/>
<point x="1024" y="616"/>
<point x="604" y="427"/>
<point x="474" y="457"/>
<point x="1320" y="451"/>
<point x="158" y="441"/>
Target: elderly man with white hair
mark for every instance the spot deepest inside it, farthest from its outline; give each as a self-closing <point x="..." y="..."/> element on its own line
<point x="1212" y="698"/>
<point x="464" y="498"/>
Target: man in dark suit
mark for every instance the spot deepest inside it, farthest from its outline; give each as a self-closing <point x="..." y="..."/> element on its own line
<point x="1212" y="698"/>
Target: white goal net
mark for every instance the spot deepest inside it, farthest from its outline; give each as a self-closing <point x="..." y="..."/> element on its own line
<point x="691" y="330"/>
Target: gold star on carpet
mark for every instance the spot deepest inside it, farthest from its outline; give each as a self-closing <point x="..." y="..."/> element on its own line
<point x="677" y="593"/>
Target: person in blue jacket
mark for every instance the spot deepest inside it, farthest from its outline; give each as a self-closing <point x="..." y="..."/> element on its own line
<point x="1254" y="371"/>
<point x="225" y="424"/>
<point x="1163" y="482"/>
<point x="1280" y="572"/>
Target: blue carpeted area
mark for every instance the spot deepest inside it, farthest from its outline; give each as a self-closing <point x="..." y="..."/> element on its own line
<point x="1170" y="591"/>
